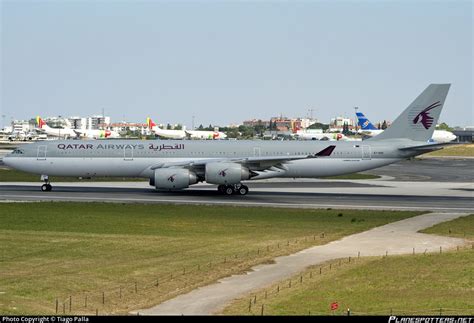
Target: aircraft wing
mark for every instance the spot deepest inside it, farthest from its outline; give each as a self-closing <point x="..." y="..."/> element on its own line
<point x="253" y="163"/>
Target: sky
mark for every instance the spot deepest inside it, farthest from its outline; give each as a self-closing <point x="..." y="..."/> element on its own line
<point x="228" y="61"/>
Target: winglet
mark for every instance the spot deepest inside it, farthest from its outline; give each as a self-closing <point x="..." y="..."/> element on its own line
<point x="326" y="152"/>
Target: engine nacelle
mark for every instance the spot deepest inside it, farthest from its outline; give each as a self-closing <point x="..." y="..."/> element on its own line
<point x="226" y="173"/>
<point x="173" y="178"/>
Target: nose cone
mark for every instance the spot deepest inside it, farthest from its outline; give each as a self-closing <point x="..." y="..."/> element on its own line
<point x="7" y="160"/>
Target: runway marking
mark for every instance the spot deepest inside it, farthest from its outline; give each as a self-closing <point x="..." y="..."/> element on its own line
<point x="240" y="203"/>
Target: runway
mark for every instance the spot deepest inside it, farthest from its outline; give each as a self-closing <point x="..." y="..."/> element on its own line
<point x="431" y="169"/>
<point x="309" y="194"/>
<point x="428" y="184"/>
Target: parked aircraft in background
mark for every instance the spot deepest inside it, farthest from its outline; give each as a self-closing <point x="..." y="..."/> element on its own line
<point x="183" y="134"/>
<point x="368" y="129"/>
<point x="56" y="132"/>
<point x="165" y="133"/>
<point x="204" y="134"/>
<point x="328" y="136"/>
<point x="75" y="133"/>
<point x="98" y="134"/>
<point x="177" y="165"/>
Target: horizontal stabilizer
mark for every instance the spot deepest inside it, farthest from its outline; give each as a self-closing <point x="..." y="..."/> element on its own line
<point x="430" y="146"/>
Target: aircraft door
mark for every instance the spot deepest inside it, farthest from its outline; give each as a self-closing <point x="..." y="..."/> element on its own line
<point x="41" y="153"/>
<point x="128" y="152"/>
<point x="366" y="152"/>
<point x="256" y="151"/>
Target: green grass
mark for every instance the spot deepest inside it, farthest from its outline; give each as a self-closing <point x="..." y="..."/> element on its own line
<point x="410" y="285"/>
<point x="458" y="228"/>
<point x="456" y="150"/>
<point x="56" y="250"/>
<point x="399" y="285"/>
<point x="12" y="175"/>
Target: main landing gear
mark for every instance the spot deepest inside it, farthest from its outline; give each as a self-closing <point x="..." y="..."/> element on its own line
<point x="233" y="189"/>
<point x="46" y="187"/>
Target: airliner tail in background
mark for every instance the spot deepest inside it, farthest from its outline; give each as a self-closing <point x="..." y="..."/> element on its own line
<point x="364" y="123"/>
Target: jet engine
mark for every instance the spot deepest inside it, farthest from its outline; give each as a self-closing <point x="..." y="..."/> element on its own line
<point x="226" y="173"/>
<point x="173" y="178"/>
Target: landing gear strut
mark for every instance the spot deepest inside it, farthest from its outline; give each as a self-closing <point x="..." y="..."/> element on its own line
<point x="46" y="187"/>
<point x="233" y="189"/>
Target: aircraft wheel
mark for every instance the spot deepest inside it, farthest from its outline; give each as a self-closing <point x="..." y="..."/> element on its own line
<point x="46" y="187"/>
<point x="229" y="190"/>
<point x="221" y="188"/>
<point x="243" y="190"/>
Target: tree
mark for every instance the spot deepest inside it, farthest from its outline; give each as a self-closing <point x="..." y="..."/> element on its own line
<point x="168" y="127"/>
<point x="200" y="127"/>
<point x="384" y="125"/>
<point x="345" y="129"/>
<point x="246" y="131"/>
<point x="232" y="132"/>
<point x="319" y="125"/>
<point x="444" y="126"/>
<point x="260" y="129"/>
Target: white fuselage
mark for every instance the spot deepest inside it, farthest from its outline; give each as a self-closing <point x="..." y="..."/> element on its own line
<point x="138" y="158"/>
<point x="59" y="132"/>
<point x="203" y="134"/>
<point x="170" y="134"/>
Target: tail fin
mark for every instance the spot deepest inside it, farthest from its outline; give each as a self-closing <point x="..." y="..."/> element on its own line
<point x="364" y="123"/>
<point x="40" y="122"/>
<point x="418" y="121"/>
<point x="150" y="123"/>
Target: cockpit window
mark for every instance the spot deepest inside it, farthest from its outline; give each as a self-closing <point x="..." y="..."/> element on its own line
<point x="17" y="151"/>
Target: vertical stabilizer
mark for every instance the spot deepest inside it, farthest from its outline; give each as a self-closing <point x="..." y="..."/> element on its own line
<point x="364" y="123"/>
<point x="150" y="123"/>
<point x="418" y="121"/>
<point x="40" y="122"/>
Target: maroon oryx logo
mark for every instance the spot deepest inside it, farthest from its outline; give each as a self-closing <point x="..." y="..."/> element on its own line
<point x="171" y="178"/>
<point x="223" y="173"/>
<point x="424" y="116"/>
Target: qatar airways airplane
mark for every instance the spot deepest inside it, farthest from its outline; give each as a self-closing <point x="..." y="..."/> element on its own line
<point x="172" y="165"/>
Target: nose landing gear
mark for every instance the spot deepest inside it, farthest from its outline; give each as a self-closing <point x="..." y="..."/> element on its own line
<point x="46" y="187"/>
